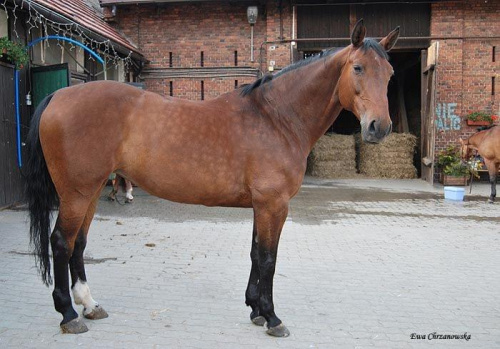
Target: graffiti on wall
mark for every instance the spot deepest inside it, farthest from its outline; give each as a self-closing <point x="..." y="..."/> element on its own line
<point x="446" y="118"/>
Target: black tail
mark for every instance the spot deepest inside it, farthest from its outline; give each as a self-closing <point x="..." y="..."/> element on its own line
<point x="40" y="194"/>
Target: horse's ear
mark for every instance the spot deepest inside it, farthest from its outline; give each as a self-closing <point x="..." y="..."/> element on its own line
<point x="461" y="141"/>
<point x="390" y="40"/>
<point x="358" y="34"/>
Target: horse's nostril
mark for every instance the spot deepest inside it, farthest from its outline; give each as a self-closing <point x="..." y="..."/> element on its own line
<point x="371" y="127"/>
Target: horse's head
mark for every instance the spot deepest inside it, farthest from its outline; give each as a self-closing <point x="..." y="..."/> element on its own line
<point x="363" y="82"/>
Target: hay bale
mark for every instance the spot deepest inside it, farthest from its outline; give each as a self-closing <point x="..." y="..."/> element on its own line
<point x="392" y="158"/>
<point x="333" y="147"/>
<point x="333" y="156"/>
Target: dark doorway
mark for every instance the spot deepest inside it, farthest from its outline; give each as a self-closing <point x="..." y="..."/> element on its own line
<point x="404" y="101"/>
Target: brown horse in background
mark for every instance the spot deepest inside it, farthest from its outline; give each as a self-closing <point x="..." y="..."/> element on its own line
<point x="249" y="149"/>
<point x="487" y="144"/>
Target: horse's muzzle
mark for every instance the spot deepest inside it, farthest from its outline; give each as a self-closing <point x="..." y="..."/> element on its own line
<point x="376" y="131"/>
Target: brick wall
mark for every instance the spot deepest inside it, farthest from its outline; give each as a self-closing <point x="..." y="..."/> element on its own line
<point x="465" y="65"/>
<point x="172" y="37"/>
<point x="183" y="30"/>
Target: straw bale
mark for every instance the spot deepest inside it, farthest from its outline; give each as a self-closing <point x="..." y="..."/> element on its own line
<point x="331" y="169"/>
<point x="392" y="158"/>
<point x="333" y="156"/>
<point x="333" y="147"/>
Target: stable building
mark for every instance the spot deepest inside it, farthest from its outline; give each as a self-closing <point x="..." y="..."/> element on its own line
<point x="446" y="60"/>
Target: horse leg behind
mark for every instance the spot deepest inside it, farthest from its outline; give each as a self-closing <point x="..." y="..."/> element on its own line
<point x="252" y="293"/>
<point x="128" y="191"/>
<point x="269" y="217"/>
<point x="492" y="171"/>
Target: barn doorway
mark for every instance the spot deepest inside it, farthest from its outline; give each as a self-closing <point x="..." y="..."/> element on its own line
<point x="329" y="24"/>
<point x="404" y="94"/>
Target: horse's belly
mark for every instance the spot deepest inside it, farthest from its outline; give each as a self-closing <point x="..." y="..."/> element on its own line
<point x="196" y="186"/>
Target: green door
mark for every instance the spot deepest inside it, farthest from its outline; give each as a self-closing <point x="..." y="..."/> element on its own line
<point x="47" y="80"/>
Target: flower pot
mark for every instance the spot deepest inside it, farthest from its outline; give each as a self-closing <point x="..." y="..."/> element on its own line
<point x="454" y="180"/>
<point x="478" y="123"/>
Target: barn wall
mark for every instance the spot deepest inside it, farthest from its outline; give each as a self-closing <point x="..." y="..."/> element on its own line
<point x="465" y="65"/>
<point x="183" y="31"/>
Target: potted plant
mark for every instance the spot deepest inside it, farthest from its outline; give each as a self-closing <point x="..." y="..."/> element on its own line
<point x="479" y="118"/>
<point x="453" y="170"/>
<point x="13" y="52"/>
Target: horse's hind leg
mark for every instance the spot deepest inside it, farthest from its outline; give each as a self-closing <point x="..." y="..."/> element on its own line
<point x="81" y="291"/>
<point x="492" y="171"/>
<point x="69" y="221"/>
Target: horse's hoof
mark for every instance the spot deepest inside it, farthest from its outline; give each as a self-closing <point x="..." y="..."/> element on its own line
<point x="74" y="326"/>
<point x="96" y="314"/>
<point x="259" y="320"/>
<point x="110" y="198"/>
<point x="129" y="201"/>
<point x="491" y="201"/>
<point x="278" y="331"/>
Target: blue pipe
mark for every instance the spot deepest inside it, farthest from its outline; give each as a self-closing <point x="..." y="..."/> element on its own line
<point x="16" y="78"/>
<point x="18" y="119"/>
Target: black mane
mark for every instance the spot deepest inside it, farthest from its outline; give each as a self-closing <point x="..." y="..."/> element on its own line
<point x="367" y="45"/>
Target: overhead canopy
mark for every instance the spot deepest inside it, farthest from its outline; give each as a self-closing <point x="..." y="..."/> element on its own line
<point x="90" y="20"/>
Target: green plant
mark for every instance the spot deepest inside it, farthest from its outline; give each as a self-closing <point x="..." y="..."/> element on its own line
<point x="479" y="116"/>
<point x="457" y="169"/>
<point x="13" y="52"/>
<point x="448" y="156"/>
<point x="451" y="164"/>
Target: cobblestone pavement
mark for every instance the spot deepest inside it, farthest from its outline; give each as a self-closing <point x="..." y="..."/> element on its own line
<point x="361" y="264"/>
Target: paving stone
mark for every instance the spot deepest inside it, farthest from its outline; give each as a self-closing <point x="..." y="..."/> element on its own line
<point x="352" y="271"/>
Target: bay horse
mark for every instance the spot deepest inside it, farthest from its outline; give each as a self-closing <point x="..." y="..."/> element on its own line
<point x="487" y="144"/>
<point x="249" y="149"/>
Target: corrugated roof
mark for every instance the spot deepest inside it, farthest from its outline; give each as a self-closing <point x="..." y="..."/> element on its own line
<point x="85" y="14"/>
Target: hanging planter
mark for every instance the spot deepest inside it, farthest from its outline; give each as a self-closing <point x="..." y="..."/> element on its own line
<point x="478" y="123"/>
<point x="480" y="119"/>
<point x="13" y="52"/>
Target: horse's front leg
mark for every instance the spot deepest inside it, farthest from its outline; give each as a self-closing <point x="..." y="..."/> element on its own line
<point x="492" y="171"/>
<point x="269" y="217"/>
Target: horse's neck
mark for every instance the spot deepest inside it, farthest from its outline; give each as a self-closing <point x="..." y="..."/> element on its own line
<point x="476" y="139"/>
<point x="306" y="100"/>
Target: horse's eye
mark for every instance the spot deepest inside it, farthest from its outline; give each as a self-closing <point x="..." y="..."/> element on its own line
<point x="358" y="69"/>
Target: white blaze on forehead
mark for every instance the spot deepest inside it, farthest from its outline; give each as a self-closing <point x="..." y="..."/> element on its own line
<point x="81" y="295"/>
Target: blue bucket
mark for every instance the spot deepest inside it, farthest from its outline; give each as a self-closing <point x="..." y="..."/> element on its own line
<point x="454" y="193"/>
